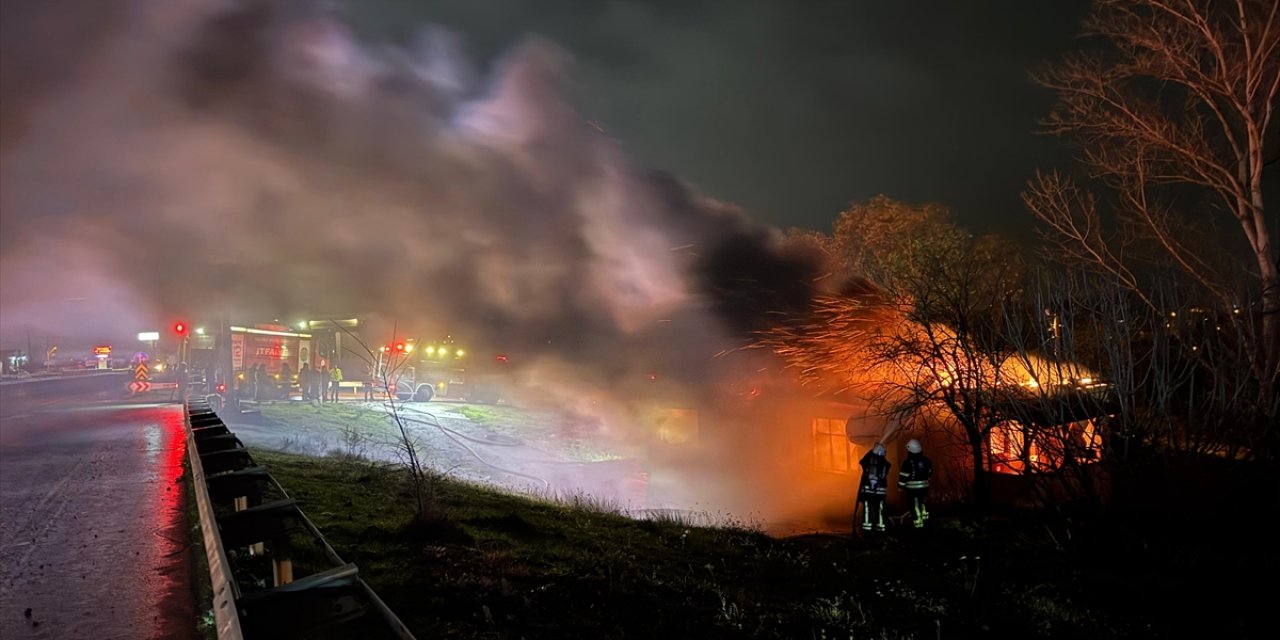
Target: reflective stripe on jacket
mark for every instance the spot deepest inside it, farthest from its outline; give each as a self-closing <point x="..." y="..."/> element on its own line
<point x="916" y="471"/>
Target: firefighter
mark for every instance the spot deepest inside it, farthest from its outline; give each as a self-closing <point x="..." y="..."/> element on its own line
<point x="321" y="381"/>
<point x="370" y="376"/>
<point x="304" y="380"/>
<point x="259" y="374"/>
<point x="335" y="381"/>
<point x="873" y="487"/>
<point x="914" y="480"/>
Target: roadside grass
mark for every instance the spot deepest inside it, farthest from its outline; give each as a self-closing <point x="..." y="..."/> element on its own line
<point x="575" y="436"/>
<point x="497" y="565"/>
<point x="331" y="417"/>
<point x="352" y="425"/>
<point x="497" y="416"/>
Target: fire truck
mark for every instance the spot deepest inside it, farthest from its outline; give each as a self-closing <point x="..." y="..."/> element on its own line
<point x="420" y="371"/>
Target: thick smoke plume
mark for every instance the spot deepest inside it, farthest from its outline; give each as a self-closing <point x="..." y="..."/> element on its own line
<point x="255" y="161"/>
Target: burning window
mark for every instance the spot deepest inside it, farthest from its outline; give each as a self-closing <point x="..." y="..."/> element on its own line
<point x="832" y="450"/>
<point x="1019" y="449"/>
<point x="1007" y="448"/>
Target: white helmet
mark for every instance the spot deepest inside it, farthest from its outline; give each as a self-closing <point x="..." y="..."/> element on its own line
<point x="913" y="446"/>
<point x="878" y="450"/>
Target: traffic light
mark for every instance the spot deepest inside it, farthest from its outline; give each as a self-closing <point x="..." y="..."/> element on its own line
<point x="399" y="347"/>
<point x="180" y="328"/>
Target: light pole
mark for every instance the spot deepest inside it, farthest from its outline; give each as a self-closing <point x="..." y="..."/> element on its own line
<point x="180" y="328"/>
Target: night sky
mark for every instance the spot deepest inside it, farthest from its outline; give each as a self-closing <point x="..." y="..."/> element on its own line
<point x="794" y="109"/>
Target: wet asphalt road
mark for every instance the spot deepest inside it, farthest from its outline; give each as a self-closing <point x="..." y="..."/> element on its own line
<point x="93" y="539"/>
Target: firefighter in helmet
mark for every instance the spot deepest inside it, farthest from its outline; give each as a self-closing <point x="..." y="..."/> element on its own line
<point x="873" y="487"/>
<point x="914" y="480"/>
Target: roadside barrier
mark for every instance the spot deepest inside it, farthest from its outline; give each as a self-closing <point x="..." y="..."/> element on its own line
<point x="251" y="527"/>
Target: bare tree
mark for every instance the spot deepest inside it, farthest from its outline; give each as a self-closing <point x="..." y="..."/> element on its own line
<point x="926" y="346"/>
<point x="1174" y="379"/>
<point x="1172" y="108"/>
<point x="386" y="366"/>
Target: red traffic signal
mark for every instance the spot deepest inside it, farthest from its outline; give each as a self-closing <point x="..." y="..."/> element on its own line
<point x="399" y="347"/>
<point x="180" y="328"/>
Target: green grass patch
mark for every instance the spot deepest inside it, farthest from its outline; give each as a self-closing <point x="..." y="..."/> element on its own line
<point x="494" y="565"/>
<point x="574" y="436"/>
<point x="491" y="415"/>
<point x="371" y="421"/>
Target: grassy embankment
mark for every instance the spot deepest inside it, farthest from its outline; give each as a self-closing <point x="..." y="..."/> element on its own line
<point x="502" y="566"/>
<point x="352" y="428"/>
<point x="568" y="434"/>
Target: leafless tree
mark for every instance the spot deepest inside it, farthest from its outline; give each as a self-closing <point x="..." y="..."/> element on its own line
<point x="386" y="367"/>
<point x="925" y="346"/>
<point x="1174" y="379"/>
<point x="1171" y="109"/>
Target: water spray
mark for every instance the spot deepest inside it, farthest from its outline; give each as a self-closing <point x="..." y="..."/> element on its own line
<point x="890" y="430"/>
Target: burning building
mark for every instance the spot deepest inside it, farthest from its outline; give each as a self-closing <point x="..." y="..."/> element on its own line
<point x="777" y="432"/>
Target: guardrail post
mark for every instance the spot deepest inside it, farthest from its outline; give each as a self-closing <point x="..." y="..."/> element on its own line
<point x="242" y="503"/>
<point x="282" y="561"/>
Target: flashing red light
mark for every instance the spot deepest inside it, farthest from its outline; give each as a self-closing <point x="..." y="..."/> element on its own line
<point x="399" y="347"/>
<point x="180" y="328"/>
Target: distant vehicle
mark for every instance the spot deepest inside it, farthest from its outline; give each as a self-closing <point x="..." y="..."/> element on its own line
<point x="421" y="372"/>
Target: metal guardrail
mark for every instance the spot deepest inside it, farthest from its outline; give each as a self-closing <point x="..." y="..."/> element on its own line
<point x="241" y="526"/>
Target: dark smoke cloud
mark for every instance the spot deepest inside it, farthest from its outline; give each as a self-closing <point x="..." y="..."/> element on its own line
<point x="254" y="160"/>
